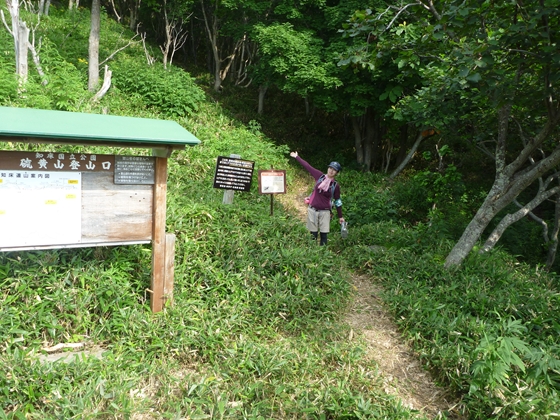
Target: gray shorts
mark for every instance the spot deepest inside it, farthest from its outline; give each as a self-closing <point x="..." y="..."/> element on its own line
<point x="318" y="220"/>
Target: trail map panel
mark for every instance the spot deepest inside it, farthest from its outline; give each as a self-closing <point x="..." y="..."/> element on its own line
<point x="272" y="181"/>
<point x="39" y="207"/>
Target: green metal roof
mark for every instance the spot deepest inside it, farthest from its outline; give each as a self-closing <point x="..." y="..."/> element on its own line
<point x="46" y="126"/>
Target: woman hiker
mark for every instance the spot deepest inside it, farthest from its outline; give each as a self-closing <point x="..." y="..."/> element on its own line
<point x="325" y="191"/>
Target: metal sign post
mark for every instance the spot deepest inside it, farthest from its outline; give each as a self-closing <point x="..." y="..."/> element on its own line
<point x="272" y="182"/>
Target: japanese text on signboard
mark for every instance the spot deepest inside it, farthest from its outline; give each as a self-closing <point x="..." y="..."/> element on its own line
<point x="52" y="161"/>
<point x="233" y="174"/>
<point x="135" y="170"/>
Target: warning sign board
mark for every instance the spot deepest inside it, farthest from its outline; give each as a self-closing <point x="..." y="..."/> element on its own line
<point x="233" y="174"/>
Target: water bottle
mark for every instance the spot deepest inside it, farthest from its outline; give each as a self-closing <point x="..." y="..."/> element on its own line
<point x="344" y="230"/>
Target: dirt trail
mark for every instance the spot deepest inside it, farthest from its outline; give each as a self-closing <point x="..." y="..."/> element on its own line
<point x="401" y="370"/>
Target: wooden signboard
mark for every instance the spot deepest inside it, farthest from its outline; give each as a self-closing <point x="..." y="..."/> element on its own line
<point x="55" y="200"/>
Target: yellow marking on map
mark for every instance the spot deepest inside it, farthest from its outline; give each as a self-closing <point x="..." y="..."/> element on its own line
<point x="50" y="202"/>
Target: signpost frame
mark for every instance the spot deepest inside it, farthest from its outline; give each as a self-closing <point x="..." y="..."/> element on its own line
<point x="130" y="202"/>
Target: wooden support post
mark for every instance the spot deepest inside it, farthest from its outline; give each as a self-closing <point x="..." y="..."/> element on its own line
<point x="228" y="194"/>
<point x="169" y="268"/>
<point x="228" y="197"/>
<point x="158" y="235"/>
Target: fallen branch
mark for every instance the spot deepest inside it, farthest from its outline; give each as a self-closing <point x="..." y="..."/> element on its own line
<point x="61" y="346"/>
<point x="5" y="23"/>
<point x="106" y="85"/>
<point x="131" y="42"/>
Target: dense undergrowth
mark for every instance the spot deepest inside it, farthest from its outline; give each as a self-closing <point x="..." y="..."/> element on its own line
<point x="255" y="329"/>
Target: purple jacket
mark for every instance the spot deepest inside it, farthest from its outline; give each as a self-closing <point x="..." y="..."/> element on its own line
<point x="321" y="199"/>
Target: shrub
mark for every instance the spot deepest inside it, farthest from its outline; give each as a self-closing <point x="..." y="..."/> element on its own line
<point x="366" y="198"/>
<point x="172" y="92"/>
<point x="8" y="81"/>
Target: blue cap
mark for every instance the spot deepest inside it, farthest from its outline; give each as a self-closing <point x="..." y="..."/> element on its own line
<point x="336" y="166"/>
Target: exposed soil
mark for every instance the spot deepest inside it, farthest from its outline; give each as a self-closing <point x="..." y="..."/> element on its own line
<point x="401" y="370"/>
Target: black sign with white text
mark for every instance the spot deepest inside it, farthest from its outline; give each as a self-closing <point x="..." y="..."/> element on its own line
<point x="233" y="174"/>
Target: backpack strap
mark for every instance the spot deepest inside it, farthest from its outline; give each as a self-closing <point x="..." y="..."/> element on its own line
<point x="333" y="186"/>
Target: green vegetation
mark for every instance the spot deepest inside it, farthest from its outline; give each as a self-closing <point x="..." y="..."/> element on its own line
<point x="255" y="330"/>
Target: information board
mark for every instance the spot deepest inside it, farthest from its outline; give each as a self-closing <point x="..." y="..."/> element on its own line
<point x="135" y="170"/>
<point x="233" y="174"/>
<point x="40" y="207"/>
<point x="272" y="181"/>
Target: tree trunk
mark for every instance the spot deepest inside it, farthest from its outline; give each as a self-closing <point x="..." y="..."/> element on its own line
<point x="22" y="52"/>
<point x="368" y="141"/>
<point x="472" y="233"/>
<point x="262" y="92"/>
<point x="553" y="243"/>
<point x="217" y="67"/>
<point x="503" y="192"/>
<point x="13" y="9"/>
<point x="403" y="141"/>
<point x="168" y="34"/>
<point x="509" y="219"/>
<point x="231" y="59"/>
<point x="358" y="144"/>
<point x="211" y="24"/>
<point x="387" y="153"/>
<point x="245" y="59"/>
<point x="115" y="11"/>
<point x="36" y="59"/>
<point x="20" y="35"/>
<point x="175" y="37"/>
<point x="510" y="181"/>
<point x="105" y="87"/>
<point x="376" y="142"/>
<point x="133" y="16"/>
<point x="408" y="157"/>
<point x="93" y="68"/>
<point x="194" y="44"/>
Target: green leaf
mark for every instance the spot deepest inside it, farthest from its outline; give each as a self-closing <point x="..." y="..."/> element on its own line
<point x="476" y="77"/>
